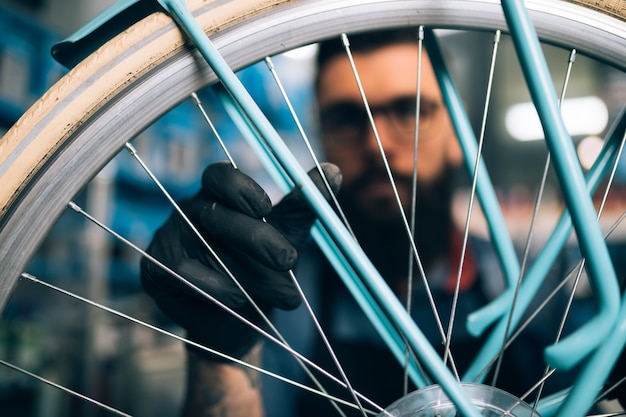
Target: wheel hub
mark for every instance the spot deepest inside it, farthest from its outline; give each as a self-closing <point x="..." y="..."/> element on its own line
<point x="433" y="402"/>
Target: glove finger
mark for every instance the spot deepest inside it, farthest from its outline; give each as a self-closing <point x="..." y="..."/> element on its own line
<point x="263" y="284"/>
<point x="255" y="237"/>
<point x="229" y="186"/>
<point x="212" y="282"/>
<point x="293" y="216"/>
<point x="276" y="290"/>
<point x="266" y="285"/>
<point x="159" y="283"/>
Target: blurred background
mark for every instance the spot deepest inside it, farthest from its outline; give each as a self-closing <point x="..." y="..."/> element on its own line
<point x="140" y="371"/>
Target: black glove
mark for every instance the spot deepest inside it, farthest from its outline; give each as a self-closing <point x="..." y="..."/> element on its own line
<point x="229" y="211"/>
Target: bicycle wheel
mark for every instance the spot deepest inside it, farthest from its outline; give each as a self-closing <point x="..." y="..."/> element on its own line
<point x="75" y="129"/>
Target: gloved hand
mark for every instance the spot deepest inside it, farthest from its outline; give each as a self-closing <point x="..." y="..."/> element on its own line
<point x="229" y="212"/>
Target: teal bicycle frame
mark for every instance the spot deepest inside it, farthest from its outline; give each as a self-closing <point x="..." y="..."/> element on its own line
<point x="369" y="288"/>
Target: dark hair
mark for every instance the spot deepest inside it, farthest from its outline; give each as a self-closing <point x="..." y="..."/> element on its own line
<point x="364" y="42"/>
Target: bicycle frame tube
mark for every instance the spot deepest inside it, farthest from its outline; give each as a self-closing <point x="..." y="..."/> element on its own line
<point x="581" y="343"/>
<point x="570" y="350"/>
<point x="467" y="139"/>
<point x="479" y="320"/>
<point x="597" y="368"/>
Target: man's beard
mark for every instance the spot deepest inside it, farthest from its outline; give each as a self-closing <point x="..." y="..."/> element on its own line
<point x="382" y="232"/>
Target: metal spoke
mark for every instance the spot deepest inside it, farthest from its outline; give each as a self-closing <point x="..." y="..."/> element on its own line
<point x="496" y="42"/>
<point x="62" y="388"/>
<point x="307" y="143"/>
<point x="407" y="227"/>
<point x="408" y="353"/>
<point x="207" y="119"/>
<point x="611" y="388"/>
<point x="538" y="384"/>
<point x="616" y="414"/>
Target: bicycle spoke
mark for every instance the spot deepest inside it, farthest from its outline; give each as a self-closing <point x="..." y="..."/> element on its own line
<point x="308" y="144"/>
<point x="606" y="392"/>
<point x="496" y="42"/>
<point x="62" y="388"/>
<point x="410" y="268"/>
<point x="617" y="414"/>
<point x="537" y="385"/>
<point x="207" y="119"/>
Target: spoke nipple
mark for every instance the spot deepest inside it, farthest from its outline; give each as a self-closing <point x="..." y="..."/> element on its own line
<point x="420" y="33"/>
<point x="74" y="206"/>
<point x="497" y="37"/>
<point x="269" y="63"/>
<point x="572" y="55"/>
<point x="344" y="39"/>
<point x="28" y="276"/>
<point x="195" y="98"/>
<point x="131" y="148"/>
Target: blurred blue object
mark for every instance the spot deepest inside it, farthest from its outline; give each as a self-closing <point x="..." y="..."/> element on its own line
<point x="26" y="68"/>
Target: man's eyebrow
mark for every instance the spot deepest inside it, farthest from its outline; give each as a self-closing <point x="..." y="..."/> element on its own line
<point x="430" y="102"/>
<point x="358" y="103"/>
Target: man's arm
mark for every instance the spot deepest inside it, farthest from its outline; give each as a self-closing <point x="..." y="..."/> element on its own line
<point x="216" y="388"/>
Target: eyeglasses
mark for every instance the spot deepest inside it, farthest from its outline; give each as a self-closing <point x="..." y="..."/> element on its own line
<point x="345" y="123"/>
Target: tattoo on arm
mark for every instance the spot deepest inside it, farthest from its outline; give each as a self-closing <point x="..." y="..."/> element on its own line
<point x="223" y="389"/>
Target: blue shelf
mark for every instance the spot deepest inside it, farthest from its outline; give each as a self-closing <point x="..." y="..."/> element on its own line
<point x="27" y="69"/>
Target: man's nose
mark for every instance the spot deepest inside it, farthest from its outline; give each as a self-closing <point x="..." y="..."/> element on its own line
<point x="380" y="134"/>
